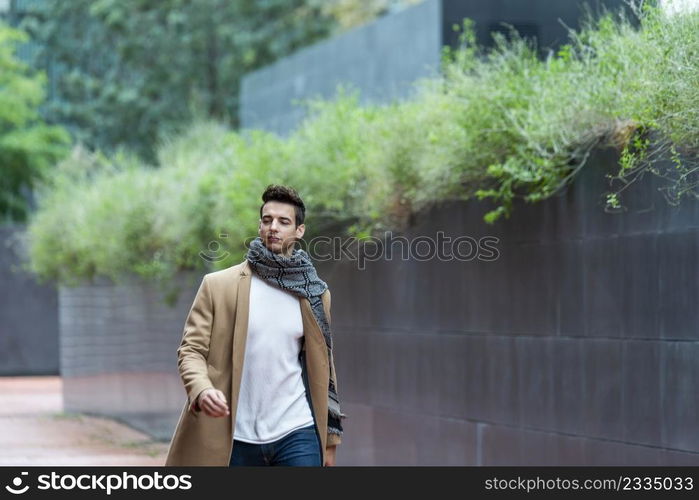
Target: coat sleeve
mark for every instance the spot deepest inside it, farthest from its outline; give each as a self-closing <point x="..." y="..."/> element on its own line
<point x="194" y="348"/>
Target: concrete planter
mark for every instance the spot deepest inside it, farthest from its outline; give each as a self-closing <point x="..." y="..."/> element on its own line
<point x="578" y="345"/>
<point x="118" y="348"/>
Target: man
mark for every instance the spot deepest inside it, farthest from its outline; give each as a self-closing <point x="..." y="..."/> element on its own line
<point x="256" y="355"/>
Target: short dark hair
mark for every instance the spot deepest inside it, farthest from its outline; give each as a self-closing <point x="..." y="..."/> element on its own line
<point x="285" y="194"/>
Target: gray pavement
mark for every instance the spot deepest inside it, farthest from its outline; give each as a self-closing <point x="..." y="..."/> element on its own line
<point x="34" y="430"/>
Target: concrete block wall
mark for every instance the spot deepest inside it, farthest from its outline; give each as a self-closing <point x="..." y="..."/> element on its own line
<point x="118" y="349"/>
<point x="382" y="59"/>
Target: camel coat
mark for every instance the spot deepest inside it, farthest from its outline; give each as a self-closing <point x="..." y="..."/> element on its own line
<point x="211" y="356"/>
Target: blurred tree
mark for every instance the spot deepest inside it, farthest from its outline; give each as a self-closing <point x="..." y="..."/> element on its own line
<point x="28" y="146"/>
<point x="130" y="71"/>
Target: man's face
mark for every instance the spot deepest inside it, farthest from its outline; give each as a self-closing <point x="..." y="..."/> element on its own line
<point x="278" y="229"/>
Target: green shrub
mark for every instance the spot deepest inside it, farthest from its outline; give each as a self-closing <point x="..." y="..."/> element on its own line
<point x="502" y="125"/>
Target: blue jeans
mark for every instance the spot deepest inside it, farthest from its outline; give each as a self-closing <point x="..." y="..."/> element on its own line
<point x="299" y="448"/>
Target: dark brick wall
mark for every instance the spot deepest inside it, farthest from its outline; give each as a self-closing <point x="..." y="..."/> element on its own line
<point x="28" y="312"/>
<point x="578" y="345"/>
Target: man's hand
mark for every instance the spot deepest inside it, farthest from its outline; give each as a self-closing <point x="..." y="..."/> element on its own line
<point x="330" y="455"/>
<point x="213" y="403"/>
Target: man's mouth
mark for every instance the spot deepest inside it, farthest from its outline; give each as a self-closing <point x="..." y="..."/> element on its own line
<point x="273" y="239"/>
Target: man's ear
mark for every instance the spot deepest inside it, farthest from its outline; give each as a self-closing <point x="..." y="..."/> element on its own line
<point x="300" y="229"/>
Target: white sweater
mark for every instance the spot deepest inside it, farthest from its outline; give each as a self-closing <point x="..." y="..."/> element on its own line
<point x="272" y="401"/>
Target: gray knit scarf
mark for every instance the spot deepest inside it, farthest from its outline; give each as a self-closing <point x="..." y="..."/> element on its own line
<point x="297" y="275"/>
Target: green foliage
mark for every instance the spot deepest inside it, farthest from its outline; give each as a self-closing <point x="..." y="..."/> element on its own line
<point x="614" y="83"/>
<point x="27" y="145"/>
<point x="662" y="103"/>
<point x="501" y="126"/>
<point x="130" y="71"/>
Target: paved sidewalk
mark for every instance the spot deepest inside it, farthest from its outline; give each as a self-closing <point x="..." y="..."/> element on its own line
<point x="35" y="431"/>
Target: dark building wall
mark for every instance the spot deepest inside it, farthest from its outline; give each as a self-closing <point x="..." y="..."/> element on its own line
<point x="578" y="345"/>
<point x="29" y="312"/>
<point x="546" y="20"/>
<point x="384" y="58"/>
